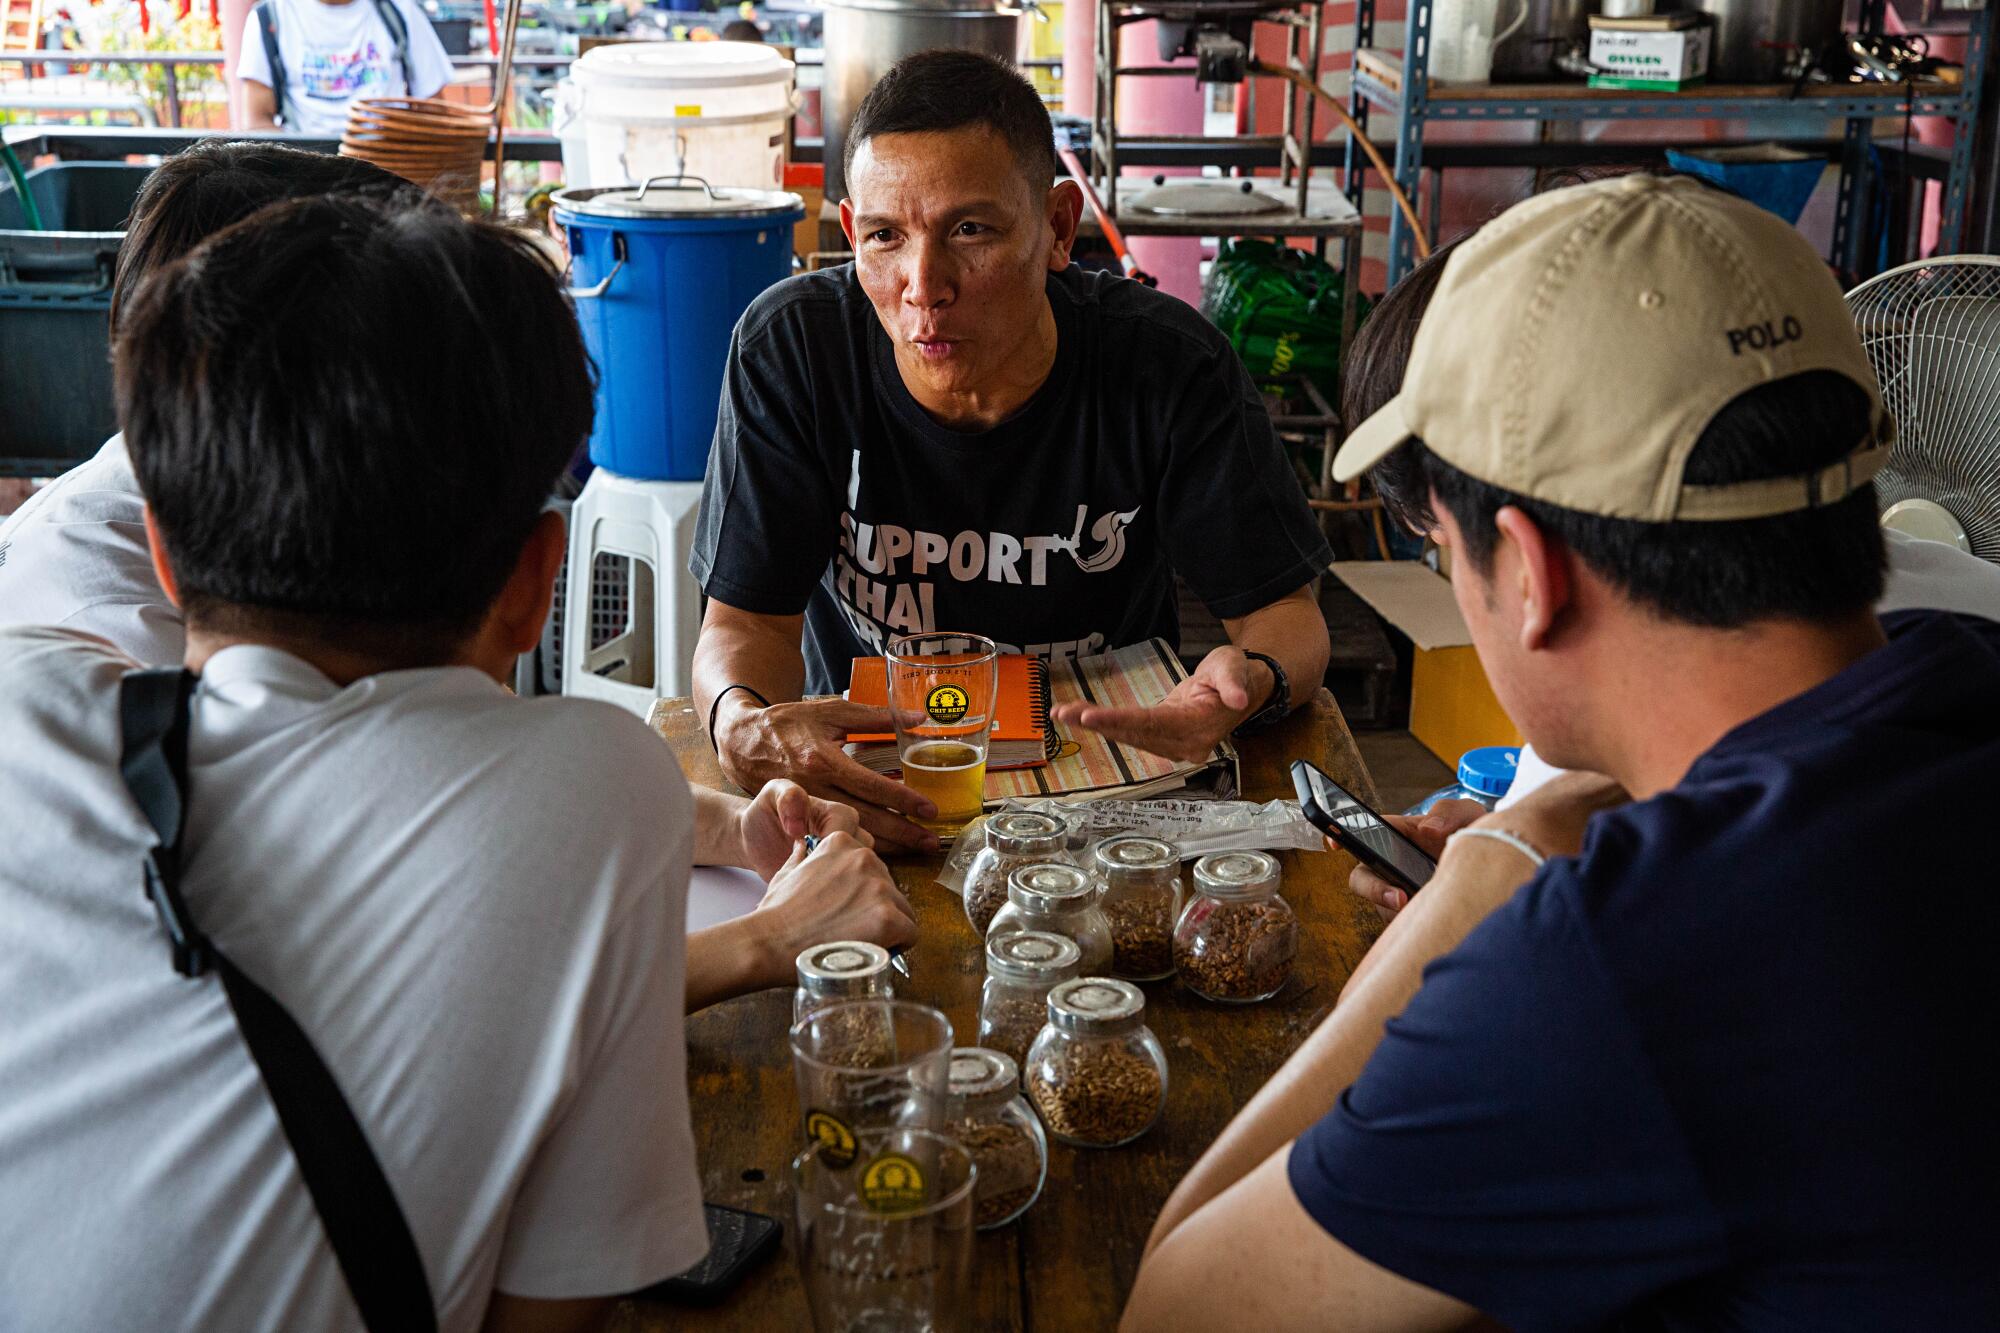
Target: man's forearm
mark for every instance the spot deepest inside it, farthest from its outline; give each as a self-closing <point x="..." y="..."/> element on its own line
<point x="718" y="828"/>
<point x="1292" y="631"/>
<point x="731" y="959"/>
<point x="743" y="648"/>
<point x="1474" y="881"/>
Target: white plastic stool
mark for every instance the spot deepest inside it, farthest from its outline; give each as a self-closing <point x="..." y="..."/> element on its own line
<point x="633" y="648"/>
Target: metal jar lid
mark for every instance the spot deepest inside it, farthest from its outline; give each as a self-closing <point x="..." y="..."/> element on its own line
<point x="1236" y="874"/>
<point x="1022" y="832"/>
<point x="980" y="1076"/>
<point x="1133" y="857"/>
<point x="1093" y="1006"/>
<point x="841" y="965"/>
<point x="668" y="197"/>
<point x="1051" y="887"/>
<point x="1032" y="955"/>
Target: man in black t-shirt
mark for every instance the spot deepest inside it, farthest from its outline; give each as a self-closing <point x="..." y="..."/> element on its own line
<point x="962" y="432"/>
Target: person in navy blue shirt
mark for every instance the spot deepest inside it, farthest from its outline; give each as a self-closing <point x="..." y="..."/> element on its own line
<point x="1695" y="1045"/>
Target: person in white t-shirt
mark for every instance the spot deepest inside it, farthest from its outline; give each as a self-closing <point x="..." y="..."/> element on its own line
<point x="330" y="52"/>
<point x="472" y="904"/>
<point x="1921" y="575"/>
<point x="74" y="554"/>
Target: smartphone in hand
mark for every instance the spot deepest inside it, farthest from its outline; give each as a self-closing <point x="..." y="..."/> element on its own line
<point x="1342" y="816"/>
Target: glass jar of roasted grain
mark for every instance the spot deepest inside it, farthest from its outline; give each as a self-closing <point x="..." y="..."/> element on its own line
<point x="990" y="1119"/>
<point x="841" y="970"/>
<point x="1021" y="969"/>
<point x="1014" y="838"/>
<point x="1097" y="1075"/>
<point x="1061" y="899"/>
<point x="1236" y="940"/>
<point x="1141" y="902"/>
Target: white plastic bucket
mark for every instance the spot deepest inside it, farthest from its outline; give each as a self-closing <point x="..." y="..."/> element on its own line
<point x="634" y="110"/>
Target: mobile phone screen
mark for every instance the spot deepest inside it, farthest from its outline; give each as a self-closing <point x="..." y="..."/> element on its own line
<point x="1362" y="825"/>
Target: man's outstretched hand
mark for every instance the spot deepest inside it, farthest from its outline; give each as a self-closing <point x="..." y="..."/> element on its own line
<point x="1191" y="721"/>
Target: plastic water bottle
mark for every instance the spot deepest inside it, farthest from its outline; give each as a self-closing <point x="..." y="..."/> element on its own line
<point x="1483" y="776"/>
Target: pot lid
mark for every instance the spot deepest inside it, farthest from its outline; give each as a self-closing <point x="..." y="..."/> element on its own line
<point x="710" y="64"/>
<point x="1205" y="199"/>
<point x="676" y="197"/>
<point x="935" y="8"/>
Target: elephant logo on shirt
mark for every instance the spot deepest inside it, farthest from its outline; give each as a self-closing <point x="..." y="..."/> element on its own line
<point x="1109" y="533"/>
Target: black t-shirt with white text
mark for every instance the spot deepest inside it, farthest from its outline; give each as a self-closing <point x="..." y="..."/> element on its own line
<point x="1057" y="533"/>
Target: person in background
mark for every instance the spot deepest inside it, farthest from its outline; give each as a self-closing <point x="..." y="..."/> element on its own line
<point x="472" y="904"/>
<point x="962" y="431"/>
<point x="76" y="556"/>
<point x="1648" y="1050"/>
<point x="75" y="553"/>
<point x="1921" y="575"/>
<point x="303" y="61"/>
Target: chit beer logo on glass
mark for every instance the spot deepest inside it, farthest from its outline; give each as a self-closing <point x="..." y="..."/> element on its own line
<point x="946" y="705"/>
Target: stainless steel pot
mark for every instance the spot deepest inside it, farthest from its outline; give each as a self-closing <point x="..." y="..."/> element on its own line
<point x="1552" y="27"/>
<point x="863" y="38"/>
<point x="1753" y="38"/>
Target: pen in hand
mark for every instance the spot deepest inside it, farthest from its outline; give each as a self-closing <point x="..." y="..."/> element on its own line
<point x="896" y="959"/>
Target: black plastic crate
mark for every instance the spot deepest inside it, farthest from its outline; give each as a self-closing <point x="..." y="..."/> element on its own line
<point x="55" y="302"/>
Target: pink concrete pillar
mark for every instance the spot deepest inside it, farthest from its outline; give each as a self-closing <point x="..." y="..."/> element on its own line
<point x="1079" y="57"/>
<point x="231" y="14"/>
<point x="1159" y="105"/>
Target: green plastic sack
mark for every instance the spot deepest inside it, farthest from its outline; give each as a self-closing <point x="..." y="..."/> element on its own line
<point x="1280" y="309"/>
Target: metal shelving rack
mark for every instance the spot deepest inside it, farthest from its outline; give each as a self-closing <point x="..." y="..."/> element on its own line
<point x="1401" y="86"/>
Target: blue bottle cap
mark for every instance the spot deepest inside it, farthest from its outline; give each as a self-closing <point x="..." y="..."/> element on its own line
<point x="1489" y="770"/>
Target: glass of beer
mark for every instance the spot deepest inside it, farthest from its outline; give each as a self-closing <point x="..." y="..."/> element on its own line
<point x="943" y="692"/>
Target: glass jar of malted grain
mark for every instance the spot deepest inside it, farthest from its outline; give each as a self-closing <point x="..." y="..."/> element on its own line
<point x="1021" y="969"/>
<point x="1061" y="899"/>
<point x="1141" y="901"/>
<point x="1097" y="1074"/>
<point x="1236" y="940"/>
<point x="841" y="970"/>
<point x="990" y="1119"/>
<point x="1014" y="839"/>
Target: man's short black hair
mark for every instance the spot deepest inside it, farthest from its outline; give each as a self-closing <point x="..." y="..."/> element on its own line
<point x="196" y="193"/>
<point x="948" y="90"/>
<point x="1813" y="565"/>
<point x="346" y="416"/>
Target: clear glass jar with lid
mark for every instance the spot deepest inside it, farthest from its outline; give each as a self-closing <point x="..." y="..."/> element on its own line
<point x="1097" y="1075"/>
<point x="1014" y="838"/>
<point x="1021" y="969"/>
<point x="991" y="1120"/>
<point x="841" y="970"/>
<point x="1061" y="899"/>
<point x="1236" y="940"/>
<point x="1141" y="902"/>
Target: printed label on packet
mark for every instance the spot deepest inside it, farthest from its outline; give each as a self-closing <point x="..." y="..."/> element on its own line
<point x="837" y="1147"/>
<point x="892" y="1183"/>
<point x="946" y="704"/>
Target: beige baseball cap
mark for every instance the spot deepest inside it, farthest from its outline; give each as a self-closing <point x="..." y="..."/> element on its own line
<point x="1580" y="343"/>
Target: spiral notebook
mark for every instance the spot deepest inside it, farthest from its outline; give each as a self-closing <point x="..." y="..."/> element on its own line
<point x="1068" y="765"/>
<point x="1020" y="728"/>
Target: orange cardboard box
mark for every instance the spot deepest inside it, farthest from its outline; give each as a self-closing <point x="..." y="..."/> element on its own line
<point x="1452" y="708"/>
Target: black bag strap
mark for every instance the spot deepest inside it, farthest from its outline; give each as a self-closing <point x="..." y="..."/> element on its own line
<point x="399" y="37"/>
<point x="267" y="26"/>
<point x="370" y="1237"/>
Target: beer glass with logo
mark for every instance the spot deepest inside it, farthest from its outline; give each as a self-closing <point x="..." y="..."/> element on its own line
<point x="943" y="692"/>
<point x="885" y="1237"/>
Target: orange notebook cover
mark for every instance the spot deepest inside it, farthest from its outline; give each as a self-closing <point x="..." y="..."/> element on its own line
<point x="1020" y="727"/>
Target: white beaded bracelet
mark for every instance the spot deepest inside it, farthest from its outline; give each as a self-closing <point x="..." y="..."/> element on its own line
<point x="1513" y="840"/>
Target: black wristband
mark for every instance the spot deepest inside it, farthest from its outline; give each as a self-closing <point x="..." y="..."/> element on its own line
<point x="716" y="707"/>
<point x="1276" y="706"/>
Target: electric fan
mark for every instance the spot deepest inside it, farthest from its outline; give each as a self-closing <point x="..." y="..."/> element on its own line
<point x="1932" y="330"/>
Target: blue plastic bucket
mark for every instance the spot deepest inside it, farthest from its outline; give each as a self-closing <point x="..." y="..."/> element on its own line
<point x="660" y="273"/>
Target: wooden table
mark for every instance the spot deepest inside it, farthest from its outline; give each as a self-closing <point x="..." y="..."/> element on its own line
<point x="1072" y="1258"/>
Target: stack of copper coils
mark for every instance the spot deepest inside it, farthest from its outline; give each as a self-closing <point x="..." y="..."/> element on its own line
<point x="432" y="143"/>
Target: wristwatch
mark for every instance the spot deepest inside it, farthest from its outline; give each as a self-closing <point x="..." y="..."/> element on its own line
<point x="1277" y="706"/>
